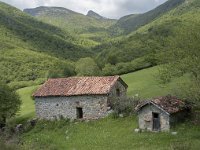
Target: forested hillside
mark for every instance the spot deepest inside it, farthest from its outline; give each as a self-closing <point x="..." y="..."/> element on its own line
<point x="92" y="27"/>
<point x="37" y="47"/>
<point x="154" y="39"/>
<point x="30" y="48"/>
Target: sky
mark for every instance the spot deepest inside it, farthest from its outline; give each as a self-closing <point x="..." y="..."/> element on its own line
<point x="107" y="8"/>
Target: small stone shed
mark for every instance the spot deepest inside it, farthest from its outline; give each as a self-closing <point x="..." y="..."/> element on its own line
<point x="78" y="97"/>
<point x="161" y="113"/>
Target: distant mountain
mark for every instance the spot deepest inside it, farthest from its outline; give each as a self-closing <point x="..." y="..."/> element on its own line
<point x="133" y="22"/>
<point x="92" y="26"/>
<point x="42" y="10"/>
<point x="95" y="15"/>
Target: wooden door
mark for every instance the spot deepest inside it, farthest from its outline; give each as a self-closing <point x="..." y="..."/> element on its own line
<point x="156" y="121"/>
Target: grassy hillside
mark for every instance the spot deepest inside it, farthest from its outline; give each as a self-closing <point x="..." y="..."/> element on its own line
<point x="133" y="22"/>
<point x="166" y="32"/>
<point x="146" y="84"/>
<point x="74" y="23"/>
<point x="28" y="107"/>
<point x="107" y="134"/>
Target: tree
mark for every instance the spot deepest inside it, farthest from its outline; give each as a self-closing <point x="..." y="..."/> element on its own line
<point x="184" y="59"/>
<point x="10" y="103"/>
<point x="62" y="70"/>
<point x="87" y="67"/>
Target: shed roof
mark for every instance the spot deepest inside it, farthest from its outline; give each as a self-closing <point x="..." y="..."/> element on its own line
<point x="169" y="104"/>
<point x="74" y="86"/>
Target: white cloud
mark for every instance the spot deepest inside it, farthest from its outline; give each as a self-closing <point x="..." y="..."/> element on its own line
<point x="107" y="8"/>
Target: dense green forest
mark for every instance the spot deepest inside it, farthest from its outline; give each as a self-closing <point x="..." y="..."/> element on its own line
<point x="57" y="42"/>
<point x="29" y="48"/>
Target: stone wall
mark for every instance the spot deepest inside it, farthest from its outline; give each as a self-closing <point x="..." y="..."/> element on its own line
<point x="94" y="107"/>
<point x="113" y="93"/>
<point x="145" y="118"/>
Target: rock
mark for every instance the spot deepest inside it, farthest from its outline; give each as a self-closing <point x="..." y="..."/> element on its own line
<point x="174" y="133"/>
<point x="71" y="120"/>
<point x="121" y="115"/>
<point x="108" y="108"/>
<point x="19" y="128"/>
<point x="149" y="129"/>
<point x="87" y="121"/>
<point x="32" y="122"/>
<point x="137" y="130"/>
<point x="66" y="132"/>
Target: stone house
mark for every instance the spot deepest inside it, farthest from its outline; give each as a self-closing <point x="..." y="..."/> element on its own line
<point x="78" y="97"/>
<point x="161" y="113"/>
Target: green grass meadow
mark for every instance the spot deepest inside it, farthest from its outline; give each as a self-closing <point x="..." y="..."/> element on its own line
<point x="146" y="84"/>
<point x="27" y="108"/>
<point x="109" y="133"/>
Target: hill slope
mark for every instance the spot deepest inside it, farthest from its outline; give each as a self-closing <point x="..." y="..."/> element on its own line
<point x="171" y="31"/>
<point x="17" y="26"/>
<point x="133" y="22"/>
<point x="29" y="48"/>
<point x="92" y="26"/>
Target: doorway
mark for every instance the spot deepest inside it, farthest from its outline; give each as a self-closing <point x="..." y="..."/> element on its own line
<point x="79" y="112"/>
<point x="156" y="121"/>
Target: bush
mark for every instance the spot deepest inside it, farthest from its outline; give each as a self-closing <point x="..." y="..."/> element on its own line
<point x="21" y="84"/>
<point x="125" y="106"/>
<point x="10" y="103"/>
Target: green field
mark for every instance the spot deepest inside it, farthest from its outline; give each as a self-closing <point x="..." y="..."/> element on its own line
<point x="27" y="108"/>
<point x="147" y="85"/>
<point x="108" y="133"/>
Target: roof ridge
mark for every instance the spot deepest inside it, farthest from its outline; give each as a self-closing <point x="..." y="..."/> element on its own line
<point x="84" y="77"/>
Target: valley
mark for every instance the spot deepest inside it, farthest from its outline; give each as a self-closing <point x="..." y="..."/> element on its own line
<point x="156" y="53"/>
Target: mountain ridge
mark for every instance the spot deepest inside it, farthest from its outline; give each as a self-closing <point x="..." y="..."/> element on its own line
<point x="130" y="23"/>
<point x="92" y="28"/>
<point x="95" y="15"/>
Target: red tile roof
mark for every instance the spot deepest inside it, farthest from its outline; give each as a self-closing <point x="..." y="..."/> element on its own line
<point x="169" y="104"/>
<point x="73" y="86"/>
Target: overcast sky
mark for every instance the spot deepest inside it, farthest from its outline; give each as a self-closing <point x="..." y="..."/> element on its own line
<point x="107" y="8"/>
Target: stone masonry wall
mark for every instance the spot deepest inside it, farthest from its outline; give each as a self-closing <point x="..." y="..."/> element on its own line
<point x="146" y="119"/>
<point x="113" y="92"/>
<point x="94" y="107"/>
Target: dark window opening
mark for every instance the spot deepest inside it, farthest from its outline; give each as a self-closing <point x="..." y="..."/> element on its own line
<point x="155" y="115"/>
<point x="79" y="112"/>
<point x="156" y="121"/>
<point x="118" y="92"/>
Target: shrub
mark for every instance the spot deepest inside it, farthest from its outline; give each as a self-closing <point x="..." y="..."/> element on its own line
<point x="125" y="106"/>
<point x="10" y="103"/>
